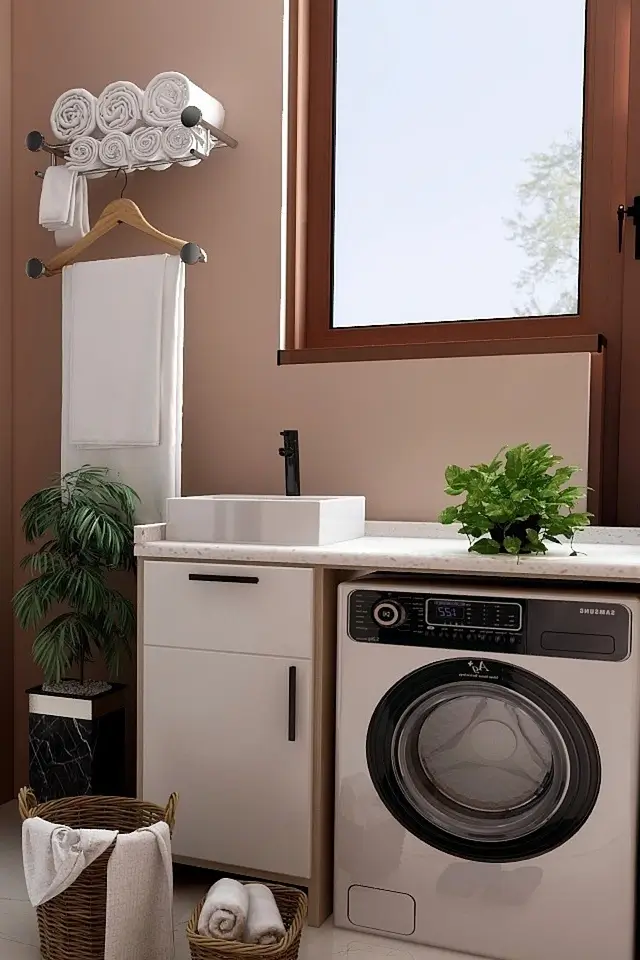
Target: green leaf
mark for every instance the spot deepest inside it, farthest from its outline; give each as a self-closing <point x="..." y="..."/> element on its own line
<point x="455" y="477"/>
<point x="512" y="544"/>
<point x="449" y="515"/>
<point x="485" y="546"/>
<point x="532" y="535"/>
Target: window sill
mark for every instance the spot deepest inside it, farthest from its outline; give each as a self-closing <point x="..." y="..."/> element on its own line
<point x="586" y="343"/>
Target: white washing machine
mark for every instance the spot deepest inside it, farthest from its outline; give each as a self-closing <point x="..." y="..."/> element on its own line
<point x="487" y="768"/>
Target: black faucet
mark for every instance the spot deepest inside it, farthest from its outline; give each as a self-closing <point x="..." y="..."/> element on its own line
<point x="291" y="453"/>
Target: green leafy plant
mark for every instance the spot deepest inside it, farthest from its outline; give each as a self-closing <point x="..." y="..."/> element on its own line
<point x="88" y="521"/>
<point x="515" y="503"/>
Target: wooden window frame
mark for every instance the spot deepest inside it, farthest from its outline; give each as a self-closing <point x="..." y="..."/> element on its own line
<point x="308" y="336"/>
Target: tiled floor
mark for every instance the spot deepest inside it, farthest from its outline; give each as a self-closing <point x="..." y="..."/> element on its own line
<point x="19" y="937"/>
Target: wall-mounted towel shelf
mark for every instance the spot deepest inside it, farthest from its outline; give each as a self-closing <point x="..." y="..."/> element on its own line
<point x="35" y="142"/>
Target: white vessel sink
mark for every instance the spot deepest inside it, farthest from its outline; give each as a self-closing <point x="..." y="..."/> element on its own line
<point x="280" y="520"/>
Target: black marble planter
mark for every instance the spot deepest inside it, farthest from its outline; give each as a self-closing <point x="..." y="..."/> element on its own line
<point x="76" y="744"/>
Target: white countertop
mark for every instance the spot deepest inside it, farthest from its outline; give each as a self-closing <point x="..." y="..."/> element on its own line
<point x="604" y="553"/>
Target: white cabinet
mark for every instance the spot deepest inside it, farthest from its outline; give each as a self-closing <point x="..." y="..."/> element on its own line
<point x="226" y="697"/>
<point x="217" y="730"/>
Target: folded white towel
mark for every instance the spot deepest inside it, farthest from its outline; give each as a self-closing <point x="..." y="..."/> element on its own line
<point x="139" y="921"/>
<point x="84" y="154"/>
<point x="54" y="856"/>
<point x="80" y="226"/>
<point x="115" y="149"/>
<point x="264" y="921"/>
<point x="107" y="329"/>
<point x="146" y="147"/>
<point x="64" y="205"/>
<point x="169" y="93"/>
<point x="119" y="107"/>
<point x="177" y="141"/>
<point x="58" y="198"/>
<point x="74" y="114"/>
<point x="225" y="910"/>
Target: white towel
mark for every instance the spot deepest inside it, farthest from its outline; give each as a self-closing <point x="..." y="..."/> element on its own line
<point x="54" y="856"/>
<point x="177" y="141"/>
<point x="139" y="921"/>
<point x="64" y="205"/>
<point x="169" y="93"/>
<point x="84" y="154"/>
<point x="146" y="147"/>
<point x="264" y="922"/>
<point x="116" y="362"/>
<point x="74" y="114"/>
<point x="115" y="150"/>
<point x="58" y="198"/>
<point x="119" y="107"/>
<point x="225" y="910"/>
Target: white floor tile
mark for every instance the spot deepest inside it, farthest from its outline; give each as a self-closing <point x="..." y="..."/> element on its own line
<point x="329" y="942"/>
<point x="12" y="950"/>
<point x="18" y="922"/>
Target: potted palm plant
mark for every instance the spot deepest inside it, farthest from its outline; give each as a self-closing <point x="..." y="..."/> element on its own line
<point x="516" y="503"/>
<point x="82" y="530"/>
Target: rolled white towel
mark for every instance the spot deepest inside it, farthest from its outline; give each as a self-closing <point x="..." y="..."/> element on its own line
<point x="264" y="921"/>
<point x="225" y="909"/>
<point x="119" y="107"/>
<point x="169" y="93"/>
<point x="84" y="154"/>
<point x="146" y="147"/>
<point x="74" y="114"/>
<point x="177" y="141"/>
<point x="115" y="149"/>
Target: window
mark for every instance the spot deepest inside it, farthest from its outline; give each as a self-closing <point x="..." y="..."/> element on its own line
<point x="453" y="181"/>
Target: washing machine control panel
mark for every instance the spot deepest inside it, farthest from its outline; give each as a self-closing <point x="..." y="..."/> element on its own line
<point x="538" y="627"/>
<point x="476" y="623"/>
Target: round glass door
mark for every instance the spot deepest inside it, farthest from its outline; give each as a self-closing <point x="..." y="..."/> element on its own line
<point x="494" y="765"/>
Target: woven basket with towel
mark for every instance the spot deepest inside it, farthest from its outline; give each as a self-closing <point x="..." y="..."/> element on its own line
<point x="73" y="922"/>
<point x="291" y="903"/>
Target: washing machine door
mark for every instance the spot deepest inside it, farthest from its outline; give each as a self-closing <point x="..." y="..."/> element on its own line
<point x="483" y="760"/>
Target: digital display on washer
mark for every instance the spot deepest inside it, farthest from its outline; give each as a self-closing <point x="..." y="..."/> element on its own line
<point x="474" y="614"/>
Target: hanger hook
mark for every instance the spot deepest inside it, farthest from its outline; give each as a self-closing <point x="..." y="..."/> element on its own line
<point x="126" y="180"/>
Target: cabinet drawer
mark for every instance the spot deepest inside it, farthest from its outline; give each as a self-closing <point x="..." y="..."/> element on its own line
<point x="211" y="606"/>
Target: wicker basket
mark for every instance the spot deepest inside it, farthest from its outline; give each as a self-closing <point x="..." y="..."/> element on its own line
<point x="292" y="904"/>
<point x="72" y="925"/>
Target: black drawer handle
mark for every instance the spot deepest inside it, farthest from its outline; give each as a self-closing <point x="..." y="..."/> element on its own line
<point x="218" y="578"/>
<point x="293" y="696"/>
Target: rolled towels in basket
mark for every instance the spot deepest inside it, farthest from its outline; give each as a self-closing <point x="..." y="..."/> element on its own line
<point x="115" y="149"/>
<point x="224" y="914"/>
<point x="146" y="147"/>
<point x="74" y="114"/>
<point x="177" y="141"/>
<point x="119" y="107"/>
<point x="264" y="922"/>
<point x="169" y="93"/>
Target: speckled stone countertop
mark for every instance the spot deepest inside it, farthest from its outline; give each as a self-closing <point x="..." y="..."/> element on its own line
<point x="603" y="553"/>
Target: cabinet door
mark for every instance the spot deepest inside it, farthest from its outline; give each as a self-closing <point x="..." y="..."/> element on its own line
<point x="240" y="609"/>
<point x="217" y="729"/>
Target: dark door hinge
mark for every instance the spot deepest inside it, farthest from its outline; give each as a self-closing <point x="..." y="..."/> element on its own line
<point x="633" y="212"/>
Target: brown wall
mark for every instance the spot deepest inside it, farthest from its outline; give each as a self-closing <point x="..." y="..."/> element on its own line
<point x="6" y="558"/>
<point x="383" y="429"/>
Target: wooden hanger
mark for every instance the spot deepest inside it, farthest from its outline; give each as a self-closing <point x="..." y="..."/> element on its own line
<point x="116" y="212"/>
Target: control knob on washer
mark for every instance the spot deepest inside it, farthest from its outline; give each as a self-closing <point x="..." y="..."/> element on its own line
<point x="389" y="613"/>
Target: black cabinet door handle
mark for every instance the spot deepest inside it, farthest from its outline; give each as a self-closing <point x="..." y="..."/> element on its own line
<point x="293" y="697"/>
<point x="219" y="578"/>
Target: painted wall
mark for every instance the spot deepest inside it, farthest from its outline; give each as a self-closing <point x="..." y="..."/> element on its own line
<point x="6" y="559"/>
<point x="383" y="429"/>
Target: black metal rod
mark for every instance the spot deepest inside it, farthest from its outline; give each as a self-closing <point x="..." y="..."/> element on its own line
<point x="218" y="578"/>
<point x="293" y="697"/>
